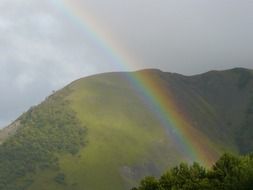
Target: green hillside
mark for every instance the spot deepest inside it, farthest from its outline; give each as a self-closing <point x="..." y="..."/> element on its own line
<point x="97" y="133"/>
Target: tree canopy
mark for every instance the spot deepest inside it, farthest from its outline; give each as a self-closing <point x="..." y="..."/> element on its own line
<point x="45" y="131"/>
<point x="228" y="173"/>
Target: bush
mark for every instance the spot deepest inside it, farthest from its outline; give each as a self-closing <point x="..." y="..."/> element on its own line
<point x="228" y="173"/>
<point x="60" y="178"/>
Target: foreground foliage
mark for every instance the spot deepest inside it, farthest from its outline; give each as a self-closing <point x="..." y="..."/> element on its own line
<point x="228" y="173"/>
<point x="45" y="131"/>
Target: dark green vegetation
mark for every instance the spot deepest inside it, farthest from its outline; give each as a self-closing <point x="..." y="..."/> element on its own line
<point x="228" y="173"/>
<point x="44" y="132"/>
<point x="97" y="133"/>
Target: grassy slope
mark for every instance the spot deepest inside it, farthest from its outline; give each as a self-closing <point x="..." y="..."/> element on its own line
<point x="215" y="102"/>
<point x="123" y="138"/>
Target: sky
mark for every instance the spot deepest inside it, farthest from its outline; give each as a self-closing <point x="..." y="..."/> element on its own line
<point x="46" y="44"/>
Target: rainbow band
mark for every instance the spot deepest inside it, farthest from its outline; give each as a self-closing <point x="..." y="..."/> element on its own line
<point x="161" y="101"/>
<point x="193" y="143"/>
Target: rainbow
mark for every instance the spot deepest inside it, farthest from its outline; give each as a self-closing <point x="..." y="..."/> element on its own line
<point x="192" y="142"/>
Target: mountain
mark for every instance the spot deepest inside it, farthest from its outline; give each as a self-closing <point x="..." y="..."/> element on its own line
<point x="99" y="132"/>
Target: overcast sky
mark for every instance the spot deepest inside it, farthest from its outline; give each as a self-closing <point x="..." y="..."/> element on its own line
<point x="44" y="45"/>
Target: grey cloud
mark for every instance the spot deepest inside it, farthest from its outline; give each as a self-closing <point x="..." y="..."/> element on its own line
<point x="39" y="53"/>
<point x="42" y="49"/>
<point x="186" y="36"/>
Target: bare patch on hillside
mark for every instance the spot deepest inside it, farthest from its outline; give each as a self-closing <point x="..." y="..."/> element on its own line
<point x="8" y="131"/>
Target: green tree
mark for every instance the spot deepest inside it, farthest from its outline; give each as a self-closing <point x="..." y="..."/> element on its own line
<point x="228" y="173"/>
<point x="149" y="183"/>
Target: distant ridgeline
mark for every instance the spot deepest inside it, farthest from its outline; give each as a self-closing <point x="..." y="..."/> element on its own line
<point x="45" y="133"/>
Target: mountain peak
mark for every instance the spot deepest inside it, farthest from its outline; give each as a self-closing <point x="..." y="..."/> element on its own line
<point x="100" y="133"/>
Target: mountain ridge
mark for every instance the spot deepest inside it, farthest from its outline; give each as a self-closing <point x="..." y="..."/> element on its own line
<point x="120" y="139"/>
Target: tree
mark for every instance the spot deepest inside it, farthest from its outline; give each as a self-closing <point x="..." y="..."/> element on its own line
<point x="228" y="173"/>
<point x="149" y="183"/>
